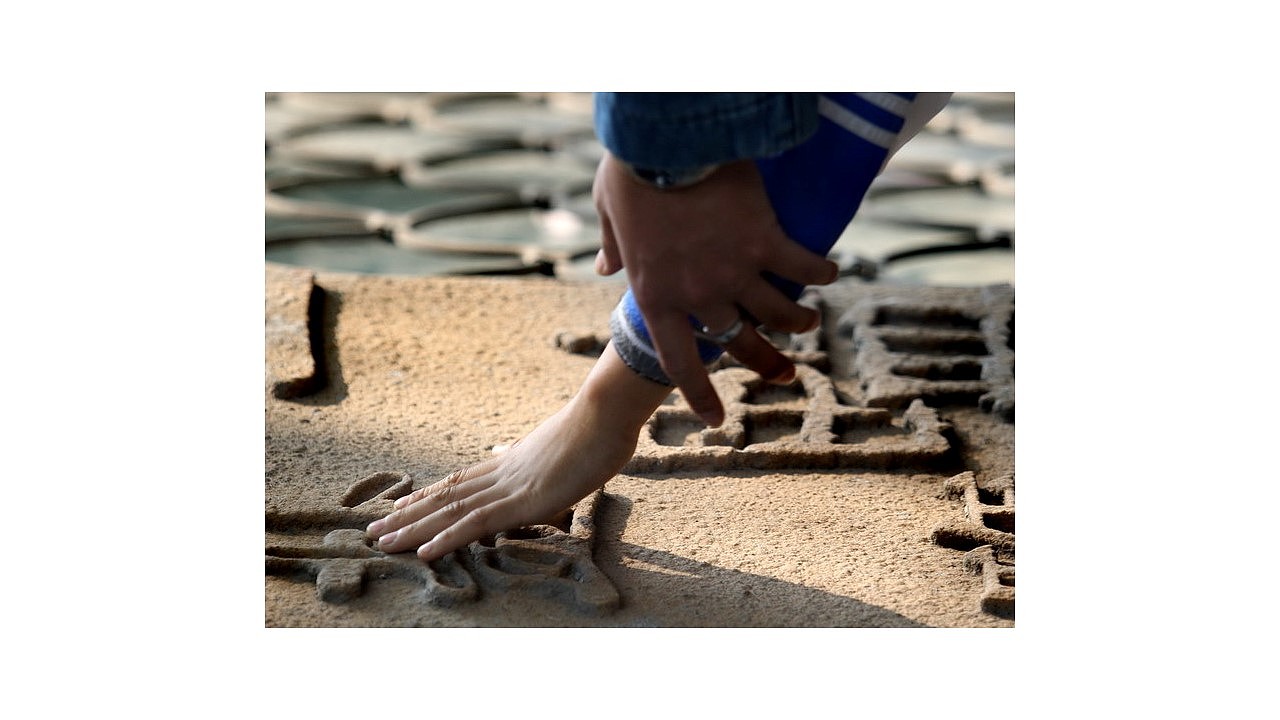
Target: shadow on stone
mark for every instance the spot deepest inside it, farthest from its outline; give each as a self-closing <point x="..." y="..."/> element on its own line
<point x="331" y="387"/>
<point x="704" y="595"/>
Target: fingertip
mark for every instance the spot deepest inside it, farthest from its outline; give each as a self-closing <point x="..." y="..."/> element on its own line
<point x="427" y="552"/>
<point x="780" y="372"/>
<point x="815" y="319"/>
<point x="375" y="528"/>
<point x="784" y="376"/>
<point x="833" y="273"/>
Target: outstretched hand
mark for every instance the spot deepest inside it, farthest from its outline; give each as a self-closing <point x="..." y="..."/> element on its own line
<point x="701" y="251"/>
<point x="567" y="457"/>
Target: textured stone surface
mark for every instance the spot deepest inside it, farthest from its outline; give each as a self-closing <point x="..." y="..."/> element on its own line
<point x="830" y="502"/>
<point x="958" y="351"/>
<point x="802" y="425"/>
<point x="997" y="571"/>
<point x="987" y="533"/>
<point x="427" y="375"/>
<point x="542" y="560"/>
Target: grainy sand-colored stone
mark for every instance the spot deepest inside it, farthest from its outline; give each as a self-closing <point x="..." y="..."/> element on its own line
<point x="426" y="375"/>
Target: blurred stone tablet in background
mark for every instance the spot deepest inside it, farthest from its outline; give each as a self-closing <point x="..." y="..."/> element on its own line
<point x="380" y="146"/>
<point x="534" y="234"/>
<point x="373" y="255"/>
<point x="955" y="207"/>
<point x="533" y="119"/>
<point x="988" y="266"/>
<point x="531" y="174"/>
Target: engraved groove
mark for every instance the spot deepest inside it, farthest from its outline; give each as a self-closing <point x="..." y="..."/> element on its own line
<point x="390" y="485"/>
<point x="986" y="534"/>
<point x="945" y="353"/>
<point x="543" y="560"/>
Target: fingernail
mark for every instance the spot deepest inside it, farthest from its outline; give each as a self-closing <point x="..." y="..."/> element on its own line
<point x="401" y="502"/>
<point x="388" y="538"/>
<point x="375" y="527"/>
<point x="424" y="552"/>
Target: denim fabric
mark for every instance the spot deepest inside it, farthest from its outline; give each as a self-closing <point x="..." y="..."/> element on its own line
<point x="679" y="131"/>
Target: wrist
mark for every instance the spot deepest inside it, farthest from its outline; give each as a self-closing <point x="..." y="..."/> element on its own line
<point x="615" y="396"/>
<point x="669" y="178"/>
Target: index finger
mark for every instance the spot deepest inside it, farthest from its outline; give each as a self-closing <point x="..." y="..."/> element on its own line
<point x="485" y="519"/>
<point x="673" y="338"/>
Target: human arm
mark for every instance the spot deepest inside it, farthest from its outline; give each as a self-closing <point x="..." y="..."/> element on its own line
<point x="814" y="188"/>
<point x="699" y="251"/>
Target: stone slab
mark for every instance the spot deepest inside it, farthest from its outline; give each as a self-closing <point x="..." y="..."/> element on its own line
<point x="374" y="255"/>
<point x="948" y="156"/>
<point x="956" y="351"/>
<point x="531" y="119"/>
<point x="534" y="234"/>
<point x="427" y="375"/>
<point x="379" y="146"/>
<point x="969" y="267"/>
<point x="956" y="207"/>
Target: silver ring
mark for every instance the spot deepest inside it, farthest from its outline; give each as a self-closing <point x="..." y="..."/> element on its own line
<point x="725" y="337"/>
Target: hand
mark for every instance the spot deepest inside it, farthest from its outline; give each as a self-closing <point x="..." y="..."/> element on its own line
<point x="564" y="459"/>
<point x="701" y="251"/>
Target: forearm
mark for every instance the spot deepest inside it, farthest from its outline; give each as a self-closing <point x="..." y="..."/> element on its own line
<point x="619" y="397"/>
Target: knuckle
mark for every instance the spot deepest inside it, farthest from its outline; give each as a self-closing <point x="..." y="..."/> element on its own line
<point x="701" y="294"/>
<point x="479" y="516"/>
<point x="480" y="519"/>
<point x="442" y="495"/>
<point x="792" y="319"/>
